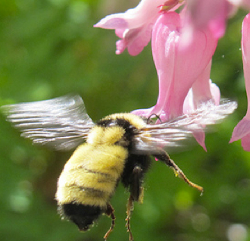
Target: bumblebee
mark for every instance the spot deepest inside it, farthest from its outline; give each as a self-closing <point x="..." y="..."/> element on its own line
<point x="116" y="149"/>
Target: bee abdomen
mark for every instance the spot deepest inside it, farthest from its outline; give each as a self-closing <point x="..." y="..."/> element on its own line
<point x="86" y="186"/>
<point x="91" y="175"/>
<point x="88" y="181"/>
<point x="82" y="215"/>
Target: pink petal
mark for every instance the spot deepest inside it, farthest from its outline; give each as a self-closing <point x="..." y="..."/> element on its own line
<point x="245" y="142"/>
<point x="242" y="130"/>
<point x="215" y="91"/>
<point x="210" y="14"/>
<point x="246" y="51"/>
<point x="132" y="18"/>
<point x="120" y="46"/>
<point x="134" y="26"/>
<point x="201" y="87"/>
<point x="113" y="21"/>
<point x="134" y="39"/>
<point x="165" y="39"/>
<point x="119" y="32"/>
<point x="202" y="90"/>
<point x="200" y="138"/>
<point x="178" y="68"/>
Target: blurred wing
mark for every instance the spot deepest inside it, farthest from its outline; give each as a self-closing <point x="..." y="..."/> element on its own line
<point x="169" y="134"/>
<point x="61" y="123"/>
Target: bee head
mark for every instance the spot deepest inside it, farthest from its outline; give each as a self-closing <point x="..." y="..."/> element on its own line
<point x="113" y="130"/>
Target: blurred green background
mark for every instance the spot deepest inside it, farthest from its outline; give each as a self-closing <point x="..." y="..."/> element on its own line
<point x="49" y="48"/>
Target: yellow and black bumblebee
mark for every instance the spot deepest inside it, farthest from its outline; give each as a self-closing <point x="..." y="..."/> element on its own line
<point x="117" y="149"/>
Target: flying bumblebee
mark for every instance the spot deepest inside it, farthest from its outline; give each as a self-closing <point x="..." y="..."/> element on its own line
<point x="117" y="148"/>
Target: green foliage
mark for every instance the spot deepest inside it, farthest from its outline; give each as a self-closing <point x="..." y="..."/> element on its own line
<point x="49" y="48"/>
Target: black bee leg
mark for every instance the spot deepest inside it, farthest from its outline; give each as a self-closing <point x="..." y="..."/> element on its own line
<point x="130" y="207"/>
<point x="136" y="189"/>
<point x="136" y="194"/>
<point x="110" y="212"/>
<point x="164" y="157"/>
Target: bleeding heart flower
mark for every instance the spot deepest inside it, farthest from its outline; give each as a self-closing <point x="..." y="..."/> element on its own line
<point x="182" y="46"/>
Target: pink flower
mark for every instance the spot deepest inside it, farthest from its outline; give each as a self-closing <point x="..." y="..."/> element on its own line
<point x="242" y="130"/>
<point x="134" y="26"/>
<point x="182" y="46"/>
<point x="177" y="68"/>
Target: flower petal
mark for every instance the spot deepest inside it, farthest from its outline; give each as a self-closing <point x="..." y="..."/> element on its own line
<point x="113" y="21"/>
<point x="245" y="142"/>
<point x="178" y="68"/>
<point x="134" y="26"/>
<point x="202" y="90"/>
<point x="210" y="14"/>
<point x="134" y="39"/>
<point x="200" y="138"/>
<point x="242" y="130"/>
<point x="132" y="18"/>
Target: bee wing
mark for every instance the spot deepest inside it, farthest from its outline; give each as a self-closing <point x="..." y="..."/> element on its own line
<point x="169" y="134"/>
<point x="61" y="123"/>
